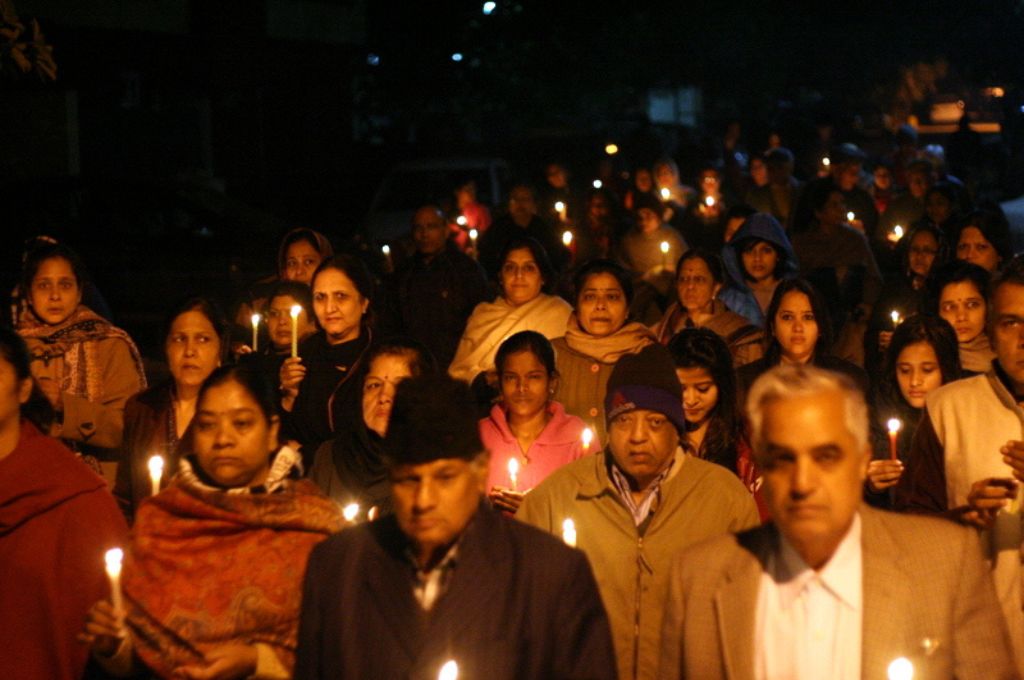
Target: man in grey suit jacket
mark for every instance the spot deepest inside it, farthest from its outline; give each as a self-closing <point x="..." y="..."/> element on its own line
<point x="831" y="588"/>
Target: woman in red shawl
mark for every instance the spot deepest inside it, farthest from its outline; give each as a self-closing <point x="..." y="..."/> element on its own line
<point x="212" y="577"/>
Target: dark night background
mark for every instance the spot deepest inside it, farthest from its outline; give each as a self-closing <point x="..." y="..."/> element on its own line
<point x="181" y="137"/>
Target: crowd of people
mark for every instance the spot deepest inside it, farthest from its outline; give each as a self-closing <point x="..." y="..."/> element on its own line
<point x="650" y="430"/>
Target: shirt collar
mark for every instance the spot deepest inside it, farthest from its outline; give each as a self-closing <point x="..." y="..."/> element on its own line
<point x="841" y="575"/>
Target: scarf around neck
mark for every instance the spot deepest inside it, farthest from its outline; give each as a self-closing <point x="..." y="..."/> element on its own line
<point x="629" y="339"/>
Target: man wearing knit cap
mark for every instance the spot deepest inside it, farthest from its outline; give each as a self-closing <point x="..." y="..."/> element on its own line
<point x="447" y="578"/>
<point x="639" y="502"/>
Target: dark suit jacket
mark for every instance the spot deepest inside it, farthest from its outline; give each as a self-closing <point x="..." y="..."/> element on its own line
<point x="520" y="605"/>
<point x="924" y="580"/>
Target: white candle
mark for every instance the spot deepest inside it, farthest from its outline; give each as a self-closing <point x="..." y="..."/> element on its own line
<point x="513" y="473"/>
<point x="569" y="532"/>
<point x="587" y="437"/>
<point x="664" y="254"/>
<point x="255" y="331"/>
<point x="665" y="194"/>
<point x="350" y="511"/>
<point x="449" y="671"/>
<point x="156" y="471"/>
<point x="561" y="210"/>
<point x="386" y="249"/>
<point x="113" y="559"/>
<point x="295" y="311"/>
<point x="567" y="238"/>
<point x="473" y="235"/>
<point x="900" y="669"/>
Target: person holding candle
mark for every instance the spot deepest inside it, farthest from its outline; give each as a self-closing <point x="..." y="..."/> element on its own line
<point x="830" y="588"/>
<point x="284" y="296"/>
<point x="447" y="577"/>
<point x="521" y="220"/>
<point x="350" y="467"/>
<point x="523" y="304"/>
<point x="756" y="259"/>
<point x="984" y="239"/>
<point x="700" y="275"/>
<point x="56" y="519"/>
<point x="155" y="420"/>
<point x="528" y="425"/>
<point x="86" y="367"/>
<point x="320" y="388"/>
<point x="959" y="294"/>
<point x="432" y="294"/>
<point x="921" y="357"/>
<point x="714" y="428"/>
<point x="940" y="211"/>
<point x="640" y="251"/>
<point x="597" y="335"/>
<point x="639" y="502"/>
<point x="675" y="195"/>
<point x="234" y="529"/>
<point x="797" y="332"/>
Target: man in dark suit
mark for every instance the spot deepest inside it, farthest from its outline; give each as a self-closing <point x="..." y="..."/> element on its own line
<point x="832" y="588"/>
<point x="448" y="578"/>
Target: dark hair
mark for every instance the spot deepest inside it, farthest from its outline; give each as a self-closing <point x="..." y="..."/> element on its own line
<point x="956" y="271"/>
<point x="921" y="328"/>
<point x="209" y="309"/>
<point x="1012" y="272"/>
<point x="993" y="226"/>
<point x="421" y="361"/>
<point x="941" y="257"/>
<point x="703" y="348"/>
<point x="433" y="417"/>
<point x="748" y="243"/>
<point x="711" y="259"/>
<point x="254" y="381"/>
<point x="947" y="191"/>
<point x="297" y="291"/>
<point x="773" y="350"/>
<point x="37" y="409"/>
<point x="527" y="341"/>
<point x="316" y="241"/>
<point x="603" y="266"/>
<point x="647" y="201"/>
<point x="540" y="256"/>
<point x="360" y="276"/>
<point x="39" y="254"/>
<point x="743" y="210"/>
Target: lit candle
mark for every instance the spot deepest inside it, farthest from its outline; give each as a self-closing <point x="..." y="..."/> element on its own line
<point x="473" y="235"/>
<point x="665" y="194"/>
<point x="461" y="220"/>
<point x="611" y="149"/>
<point x="255" y="331"/>
<point x="569" y="533"/>
<point x="386" y="249"/>
<point x="449" y="671"/>
<point x="897" y="231"/>
<point x="850" y="217"/>
<point x="826" y="161"/>
<point x="561" y="210"/>
<point x="598" y="184"/>
<point x="894" y="431"/>
<point x="567" y="238"/>
<point x="371" y="514"/>
<point x="587" y="437"/>
<point x="900" y="669"/>
<point x="113" y="559"/>
<point x="664" y="254"/>
<point x="350" y="511"/>
<point x="156" y="471"/>
<point x="295" y="311"/>
<point x="513" y="473"/>
<point x="709" y="201"/>
<point x="896" y="318"/>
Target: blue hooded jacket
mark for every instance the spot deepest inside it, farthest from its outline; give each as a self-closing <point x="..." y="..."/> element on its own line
<point x="737" y="294"/>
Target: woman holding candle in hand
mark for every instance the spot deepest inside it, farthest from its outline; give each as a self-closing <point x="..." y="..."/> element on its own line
<point x="56" y="519"/>
<point x="282" y="298"/>
<point x="921" y="357"/>
<point x="321" y="386"/>
<point x="527" y="425"/>
<point x="195" y="343"/>
<point x="234" y="529"/>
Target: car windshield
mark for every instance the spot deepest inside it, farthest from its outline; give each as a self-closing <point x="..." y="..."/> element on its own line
<point x="409" y="189"/>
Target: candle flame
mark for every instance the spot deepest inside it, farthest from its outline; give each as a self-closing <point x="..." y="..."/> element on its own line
<point x="665" y="193"/>
<point x="894" y="425"/>
<point x="598" y="184"/>
<point x="295" y="311"/>
<point x="611" y="149"/>
<point x="895" y="316"/>
<point x="255" y="318"/>
<point x="826" y="161"/>
<point x="710" y="201"/>
<point x="461" y="220"/>
<point x="513" y="471"/>
<point x="569" y="532"/>
<point x="559" y="206"/>
<point x="449" y="671"/>
<point x="898" y="231"/>
<point x="113" y="559"/>
<point x="156" y="466"/>
<point x="900" y="669"/>
<point x="850" y="217"/>
<point x="372" y="513"/>
<point x="386" y="249"/>
<point x="567" y="238"/>
<point x="350" y="511"/>
<point x="473" y="233"/>
<point x="587" y="436"/>
<point x="664" y="247"/>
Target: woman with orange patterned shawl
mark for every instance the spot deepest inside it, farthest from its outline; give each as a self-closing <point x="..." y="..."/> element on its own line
<point x="212" y="578"/>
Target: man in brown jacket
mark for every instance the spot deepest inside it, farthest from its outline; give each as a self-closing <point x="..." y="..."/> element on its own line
<point x="832" y="588"/>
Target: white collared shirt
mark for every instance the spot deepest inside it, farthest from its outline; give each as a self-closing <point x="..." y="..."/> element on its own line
<point x="808" y="624"/>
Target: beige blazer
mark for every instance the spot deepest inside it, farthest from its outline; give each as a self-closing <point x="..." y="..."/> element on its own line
<point x="927" y="596"/>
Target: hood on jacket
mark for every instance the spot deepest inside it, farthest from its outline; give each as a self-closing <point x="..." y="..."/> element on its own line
<point x="765" y="227"/>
